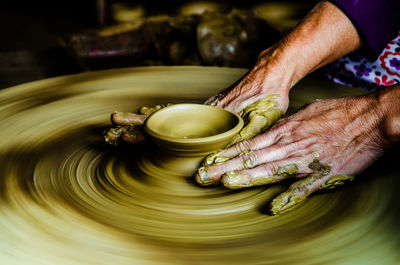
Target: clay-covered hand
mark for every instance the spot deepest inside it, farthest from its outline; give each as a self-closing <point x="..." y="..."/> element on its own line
<point x="129" y="126"/>
<point x="267" y="77"/>
<point x="260" y="97"/>
<point x="325" y="144"/>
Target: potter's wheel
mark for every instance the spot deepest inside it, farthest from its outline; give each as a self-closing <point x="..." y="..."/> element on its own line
<point x="69" y="198"/>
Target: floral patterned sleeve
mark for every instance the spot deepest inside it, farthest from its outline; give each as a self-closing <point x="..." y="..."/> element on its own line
<point x="377" y="21"/>
<point x="378" y="64"/>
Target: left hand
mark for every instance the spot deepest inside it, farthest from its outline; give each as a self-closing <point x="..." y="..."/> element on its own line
<point x="128" y="126"/>
<point x="326" y="143"/>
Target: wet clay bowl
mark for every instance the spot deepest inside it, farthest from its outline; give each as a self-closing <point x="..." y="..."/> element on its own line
<point x="192" y="129"/>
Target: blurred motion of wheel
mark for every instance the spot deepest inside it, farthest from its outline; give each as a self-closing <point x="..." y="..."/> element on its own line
<point x="67" y="197"/>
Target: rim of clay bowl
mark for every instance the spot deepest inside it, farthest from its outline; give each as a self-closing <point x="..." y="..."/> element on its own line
<point x="163" y="137"/>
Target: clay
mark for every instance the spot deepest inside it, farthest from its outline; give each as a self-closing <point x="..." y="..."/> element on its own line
<point x="336" y="181"/>
<point x="258" y="117"/>
<point x="299" y="190"/>
<point x="238" y="180"/>
<point x="67" y="198"/>
<point x="134" y="133"/>
<point x="203" y="177"/>
<point x="215" y="158"/>
<point x="192" y="129"/>
<point x="316" y="166"/>
<point x="287" y="171"/>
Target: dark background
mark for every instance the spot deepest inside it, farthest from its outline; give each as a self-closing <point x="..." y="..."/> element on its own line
<point x="29" y="49"/>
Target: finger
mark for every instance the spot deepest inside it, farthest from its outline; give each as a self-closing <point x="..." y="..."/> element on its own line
<point x="127" y="118"/>
<point x="252" y="159"/>
<point x="233" y="99"/>
<point x="270" y="154"/>
<point x="135" y="135"/>
<point x="298" y="191"/>
<point x="258" y="142"/>
<point x="242" y="147"/>
<point x="238" y="104"/>
<point x="258" y="124"/>
<point x="265" y="174"/>
<point x="129" y="134"/>
<point x="336" y="181"/>
<point x="113" y="135"/>
<point x="217" y="100"/>
<point x="211" y="101"/>
<point x="150" y="110"/>
<point x="204" y="178"/>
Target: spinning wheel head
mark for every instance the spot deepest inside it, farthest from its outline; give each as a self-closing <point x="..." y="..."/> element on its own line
<point x="192" y="129"/>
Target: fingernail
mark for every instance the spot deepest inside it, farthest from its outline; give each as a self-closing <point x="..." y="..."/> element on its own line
<point x="336" y="180"/>
<point x="220" y="159"/>
<point x="118" y="117"/>
<point x="203" y="178"/>
<point x="248" y="163"/>
<point x="236" y="180"/>
<point x="288" y="170"/>
<point x="284" y="203"/>
<point x="215" y="159"/>
<point x="113" y="115"/>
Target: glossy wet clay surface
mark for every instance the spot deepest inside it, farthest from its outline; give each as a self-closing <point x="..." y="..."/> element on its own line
<point x="67" y="197"/>
<point x="192" y="129"/>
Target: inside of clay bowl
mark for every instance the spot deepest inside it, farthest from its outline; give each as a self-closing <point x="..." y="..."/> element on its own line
<point x="192" y="129"/>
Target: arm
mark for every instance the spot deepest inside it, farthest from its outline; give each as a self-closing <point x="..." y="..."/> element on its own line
<point x="325" y="35"/>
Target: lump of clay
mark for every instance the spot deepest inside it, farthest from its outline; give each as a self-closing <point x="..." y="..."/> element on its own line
<point x="233" y="39"/>
<point x="258" y="117"/>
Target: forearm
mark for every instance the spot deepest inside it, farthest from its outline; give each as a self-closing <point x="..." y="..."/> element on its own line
<point x="325" y="35"/>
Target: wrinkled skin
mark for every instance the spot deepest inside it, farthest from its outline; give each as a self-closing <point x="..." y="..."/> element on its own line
<point x="264" y="82"/>
<point x="264" y="79"/>
<point x="325" y="144"/>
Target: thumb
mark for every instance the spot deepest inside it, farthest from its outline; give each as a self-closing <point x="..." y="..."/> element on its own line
<point x="127" y="118"/>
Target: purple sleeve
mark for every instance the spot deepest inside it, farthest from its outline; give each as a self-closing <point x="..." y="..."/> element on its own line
<point x="377" y="21"/>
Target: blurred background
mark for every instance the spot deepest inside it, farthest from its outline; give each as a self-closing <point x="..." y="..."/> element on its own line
<point x="46" y="39"/>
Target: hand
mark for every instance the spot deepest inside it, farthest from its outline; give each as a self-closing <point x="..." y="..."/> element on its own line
<point x="310" y="45"/>
<point x="129" y="126"/>
<point x="261" y="96"/>
<point x="326" y="144"/>
<point x="267" y="77"/>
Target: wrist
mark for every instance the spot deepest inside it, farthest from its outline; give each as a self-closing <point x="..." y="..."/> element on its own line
<point x="276" y="69"/>
<point x="318" y="40"/>
<point x="389" y="106"/>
